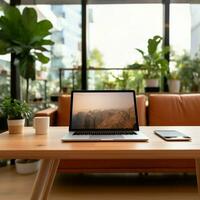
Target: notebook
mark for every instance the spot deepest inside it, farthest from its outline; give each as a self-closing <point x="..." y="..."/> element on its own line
<point x="103" y="116"/>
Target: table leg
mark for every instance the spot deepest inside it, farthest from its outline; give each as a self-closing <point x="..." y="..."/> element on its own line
<point x="41" y="185"/>
<point x="197" y="162"/>
<point x="50" y="179"/>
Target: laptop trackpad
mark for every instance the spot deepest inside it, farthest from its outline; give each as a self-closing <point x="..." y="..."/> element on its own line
<point x="106" y="137"/>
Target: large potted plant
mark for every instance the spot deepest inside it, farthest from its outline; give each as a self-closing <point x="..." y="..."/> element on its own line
<point x="16" y="112"/>
<point x="154" y="62"/>
<point x="23" y="35"/>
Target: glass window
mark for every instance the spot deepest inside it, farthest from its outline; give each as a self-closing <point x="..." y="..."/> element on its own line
<point x="4" y="73"/>
<point x="114" y="31"/>
<point x="180" y="27"/>
<point x="185" y="42"/>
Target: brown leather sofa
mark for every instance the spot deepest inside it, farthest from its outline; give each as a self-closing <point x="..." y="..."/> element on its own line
<point x="162" y="109"/>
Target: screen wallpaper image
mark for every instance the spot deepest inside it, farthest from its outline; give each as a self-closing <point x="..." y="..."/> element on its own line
<point x="103" y="110"/>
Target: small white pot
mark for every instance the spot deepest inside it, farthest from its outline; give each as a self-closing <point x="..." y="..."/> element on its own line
<point x="152" y="83"/>
<point x="174" y="86"/>
<point x="27" y="167"/>
<point x="16" y="126"/>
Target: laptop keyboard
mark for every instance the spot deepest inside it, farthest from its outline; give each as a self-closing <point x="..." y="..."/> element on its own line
<point x="105" y="133"/>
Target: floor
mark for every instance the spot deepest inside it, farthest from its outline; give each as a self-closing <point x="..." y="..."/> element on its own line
<point x="102" y="187"/>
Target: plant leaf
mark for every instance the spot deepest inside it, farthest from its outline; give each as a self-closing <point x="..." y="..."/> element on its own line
<point x="42" y="29"/>
<point x="4" y="46"/>
<point x="153" y="44"/>
<point x="29" y="17"/>
<point x="43" y="42"/>
<point x="140" y="51"/>
<point x="42" y="58"/>
<point x="135" y="66"/>
<point x="12" y="12"/>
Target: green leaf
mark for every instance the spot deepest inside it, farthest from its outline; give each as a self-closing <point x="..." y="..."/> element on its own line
<point x="12" y="12"/>
<point x="29" y="22"/>
<point x="42" y="58"/>
<point x="4" y="47"/>
<point x="29" y="17"/>
<point x="42" y="29"/>
<point x="135" y="66"/>
<point x="153" y="44"/>
<point x="140" y="51"/>
<point x="43" y="42"/>
<point x="40" y="48"/>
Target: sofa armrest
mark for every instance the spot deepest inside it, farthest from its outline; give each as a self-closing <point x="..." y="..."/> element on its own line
<point x="49" y="112"/>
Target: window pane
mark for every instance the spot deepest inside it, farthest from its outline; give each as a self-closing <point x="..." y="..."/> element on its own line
<point x="4" y="73"/>
<point x="114" y="31"/>
<point x="185" y="41"/>
<point x="180" y="33"/>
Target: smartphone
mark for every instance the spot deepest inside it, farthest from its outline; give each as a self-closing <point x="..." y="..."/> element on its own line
<point x="172" y="135"/>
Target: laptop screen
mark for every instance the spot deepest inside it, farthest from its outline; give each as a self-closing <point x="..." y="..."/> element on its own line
<point x="103" y="110"/>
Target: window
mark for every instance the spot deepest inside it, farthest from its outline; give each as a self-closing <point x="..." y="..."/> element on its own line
<point x="185" y="42"/>
<point x="4" y="73"/>
<point x="114" y="31"/>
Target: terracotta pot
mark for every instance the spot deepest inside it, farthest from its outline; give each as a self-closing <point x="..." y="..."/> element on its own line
<point x="152" y="82"/>
<point x="174" y="86"/>
<point x="16" y="126"/>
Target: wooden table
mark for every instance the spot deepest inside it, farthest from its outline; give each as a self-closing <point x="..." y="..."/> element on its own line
<point x="50" y="149"/>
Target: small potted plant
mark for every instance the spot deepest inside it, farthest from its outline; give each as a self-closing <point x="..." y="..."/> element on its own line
<point x="27" y="166"/>
<point x="174" y="82"/>
<point x="16" y="112"/>
<point x="154" y="63"/>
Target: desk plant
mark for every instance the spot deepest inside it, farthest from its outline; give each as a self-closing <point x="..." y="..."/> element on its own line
<point x="25" y="37"/>
<point x="154" y="62"/>
<point x="16" y="112"/>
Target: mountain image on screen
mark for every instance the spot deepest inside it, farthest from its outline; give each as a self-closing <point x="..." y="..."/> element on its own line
<point x="105" y="119"/>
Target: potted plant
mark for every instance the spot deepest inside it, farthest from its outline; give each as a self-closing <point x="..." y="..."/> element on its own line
<point x="27" y="166"/>
<point x="189" y="71"/>
<point x="16" y="112"/>
<point x="25" y="37"/>
<point x="154" y="62"/>
<point x="174" y="82"/>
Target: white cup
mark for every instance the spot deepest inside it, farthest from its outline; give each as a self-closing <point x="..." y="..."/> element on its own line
<point x="41" y="125"/>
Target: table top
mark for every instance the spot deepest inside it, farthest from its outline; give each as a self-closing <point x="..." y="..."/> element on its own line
<point x="29" y="145"/>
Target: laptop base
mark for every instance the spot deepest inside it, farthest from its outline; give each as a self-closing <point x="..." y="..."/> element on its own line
<point x="138" y="137"/>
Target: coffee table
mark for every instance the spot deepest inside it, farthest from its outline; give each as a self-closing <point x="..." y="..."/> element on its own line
<point x="50" y="149"/>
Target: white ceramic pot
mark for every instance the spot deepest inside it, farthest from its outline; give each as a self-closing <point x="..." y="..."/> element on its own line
<point x="152" y="82"/>
<point x="174" y="86"/>
<point x="16" y="126"/>
<point x="24" y="167"/>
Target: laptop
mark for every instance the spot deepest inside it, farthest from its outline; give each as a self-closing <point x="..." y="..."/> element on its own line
<point x="103" y="116"/>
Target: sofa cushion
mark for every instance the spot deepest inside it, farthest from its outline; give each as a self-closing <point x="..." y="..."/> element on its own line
<point x="63" y="113"/>
<point x="141" y="109"/>
<point x="172" y="110"/>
